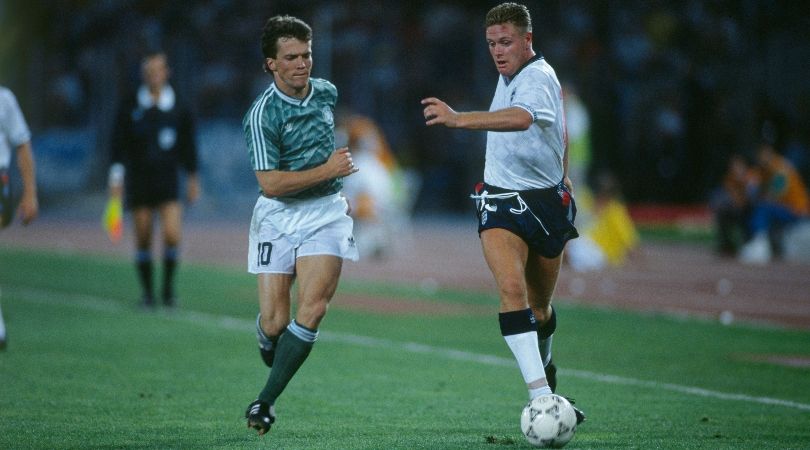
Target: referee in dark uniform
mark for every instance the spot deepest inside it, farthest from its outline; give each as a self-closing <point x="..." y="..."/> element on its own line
<point x="153" y="140"/>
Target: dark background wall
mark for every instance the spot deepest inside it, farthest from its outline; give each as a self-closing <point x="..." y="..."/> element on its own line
<point x="672" y="88"/>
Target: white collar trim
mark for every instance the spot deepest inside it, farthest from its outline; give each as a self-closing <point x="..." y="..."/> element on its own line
<point x="294" y="100"/>
<point x="165" y="100"/>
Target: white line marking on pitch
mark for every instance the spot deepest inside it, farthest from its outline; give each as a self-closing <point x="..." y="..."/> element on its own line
<point x="231" y="323"/>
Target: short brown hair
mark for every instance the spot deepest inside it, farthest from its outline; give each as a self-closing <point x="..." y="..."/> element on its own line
<point x="514" y="13"/>
<point x="283" y="27"/>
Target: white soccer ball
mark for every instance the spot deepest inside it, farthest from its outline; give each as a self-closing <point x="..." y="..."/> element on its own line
<point x="548" y="421"/>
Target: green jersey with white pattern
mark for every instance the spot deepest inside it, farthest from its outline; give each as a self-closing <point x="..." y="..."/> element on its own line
<point x="290" y="134"/>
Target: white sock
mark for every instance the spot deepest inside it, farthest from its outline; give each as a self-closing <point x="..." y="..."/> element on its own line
<point x="524" y="347"/>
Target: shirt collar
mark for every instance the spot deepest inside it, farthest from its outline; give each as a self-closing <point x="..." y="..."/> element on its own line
<point x="295" y="100"/>
<point x="538" y="56"/>
<point x="165" y="101"/>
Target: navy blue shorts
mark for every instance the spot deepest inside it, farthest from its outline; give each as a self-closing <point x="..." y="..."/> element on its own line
<point x="543" y="218"/>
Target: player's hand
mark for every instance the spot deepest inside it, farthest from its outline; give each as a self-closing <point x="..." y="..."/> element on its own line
<point x="28" y="209"/>
<point x="569" y="184"/>
<point x="340" y="163"/>
<point x="437" y="112"/>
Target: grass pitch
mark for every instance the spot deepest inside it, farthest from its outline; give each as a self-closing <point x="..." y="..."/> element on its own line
<point x="86" y="369"/>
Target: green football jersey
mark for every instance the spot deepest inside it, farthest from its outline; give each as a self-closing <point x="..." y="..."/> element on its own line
<point x="290" y="134"/>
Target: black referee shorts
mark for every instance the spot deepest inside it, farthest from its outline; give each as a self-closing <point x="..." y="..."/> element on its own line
<point x="543" y="218"/>
<point x="151" y="191"/>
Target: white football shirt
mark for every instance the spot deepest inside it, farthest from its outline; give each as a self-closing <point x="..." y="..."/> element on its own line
<point x="13" y="129"/>
<point x="533" y="158"/>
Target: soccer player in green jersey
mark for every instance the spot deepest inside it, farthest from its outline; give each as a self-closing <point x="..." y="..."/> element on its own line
<point x="300" y="228"/>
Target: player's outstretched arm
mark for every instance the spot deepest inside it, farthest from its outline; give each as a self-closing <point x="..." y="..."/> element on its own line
<point x="437" y="112"/>
<point x="277" y="183"/>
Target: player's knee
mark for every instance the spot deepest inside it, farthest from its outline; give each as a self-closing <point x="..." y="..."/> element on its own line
<point x="171" y="238"/>
<point x="319" y="311"/>
<point x="512" y="288"/>
<point x="273" y="325"/>
<point x="311" y="315"/>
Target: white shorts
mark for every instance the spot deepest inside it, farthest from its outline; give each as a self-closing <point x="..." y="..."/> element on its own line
<point x="280" y="232"/>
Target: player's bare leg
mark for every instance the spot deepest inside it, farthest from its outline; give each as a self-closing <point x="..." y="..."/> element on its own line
<point x="318" y="279"/>
<point x="171" y="216"/>
<point x="274" y="301"/>
<point x="274" y="315"/>
<point x="541" y="280"/>
<point x="143" y="220"/>
<point x="274" y="312"/>
<point x="506" y="254"/>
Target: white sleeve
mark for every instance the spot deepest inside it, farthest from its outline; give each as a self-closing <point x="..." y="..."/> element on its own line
<point x="16" y="127"/>
<point x="535" y="93"/>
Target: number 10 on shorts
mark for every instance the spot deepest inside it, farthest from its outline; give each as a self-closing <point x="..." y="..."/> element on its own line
<point x="264" y="253"/>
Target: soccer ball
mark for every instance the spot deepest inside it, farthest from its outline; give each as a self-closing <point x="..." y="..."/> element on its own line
<point x="548" y="421"/>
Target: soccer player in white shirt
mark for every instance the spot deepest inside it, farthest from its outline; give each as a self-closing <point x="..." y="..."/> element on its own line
<point x="525" y="207"/>
<point x="15" y="136"/>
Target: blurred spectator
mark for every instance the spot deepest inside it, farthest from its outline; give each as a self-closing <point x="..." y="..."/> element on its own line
<point x="610" y="236"/>
<point x="578" y="132"/>
<point x="797" y="152"/>
<point x="578" y="125"/>
<point x="731" y="204"/>
<point x="782" y="200"/>
<point x="662" y="80"/>
<point x="379" y="193"/>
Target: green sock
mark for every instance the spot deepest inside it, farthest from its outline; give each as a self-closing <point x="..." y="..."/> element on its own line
<point x="291" y="353"/>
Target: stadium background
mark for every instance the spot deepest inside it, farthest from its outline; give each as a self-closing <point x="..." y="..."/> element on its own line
<point x="672" y="87"/>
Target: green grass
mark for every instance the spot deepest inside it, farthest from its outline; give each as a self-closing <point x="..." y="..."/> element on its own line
<point x="86" y="369"/>
<point x="704" y="235"/>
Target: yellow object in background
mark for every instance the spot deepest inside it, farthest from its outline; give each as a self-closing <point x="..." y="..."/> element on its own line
<point x="614" y="232"/>
<point x="113" y="219"/>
